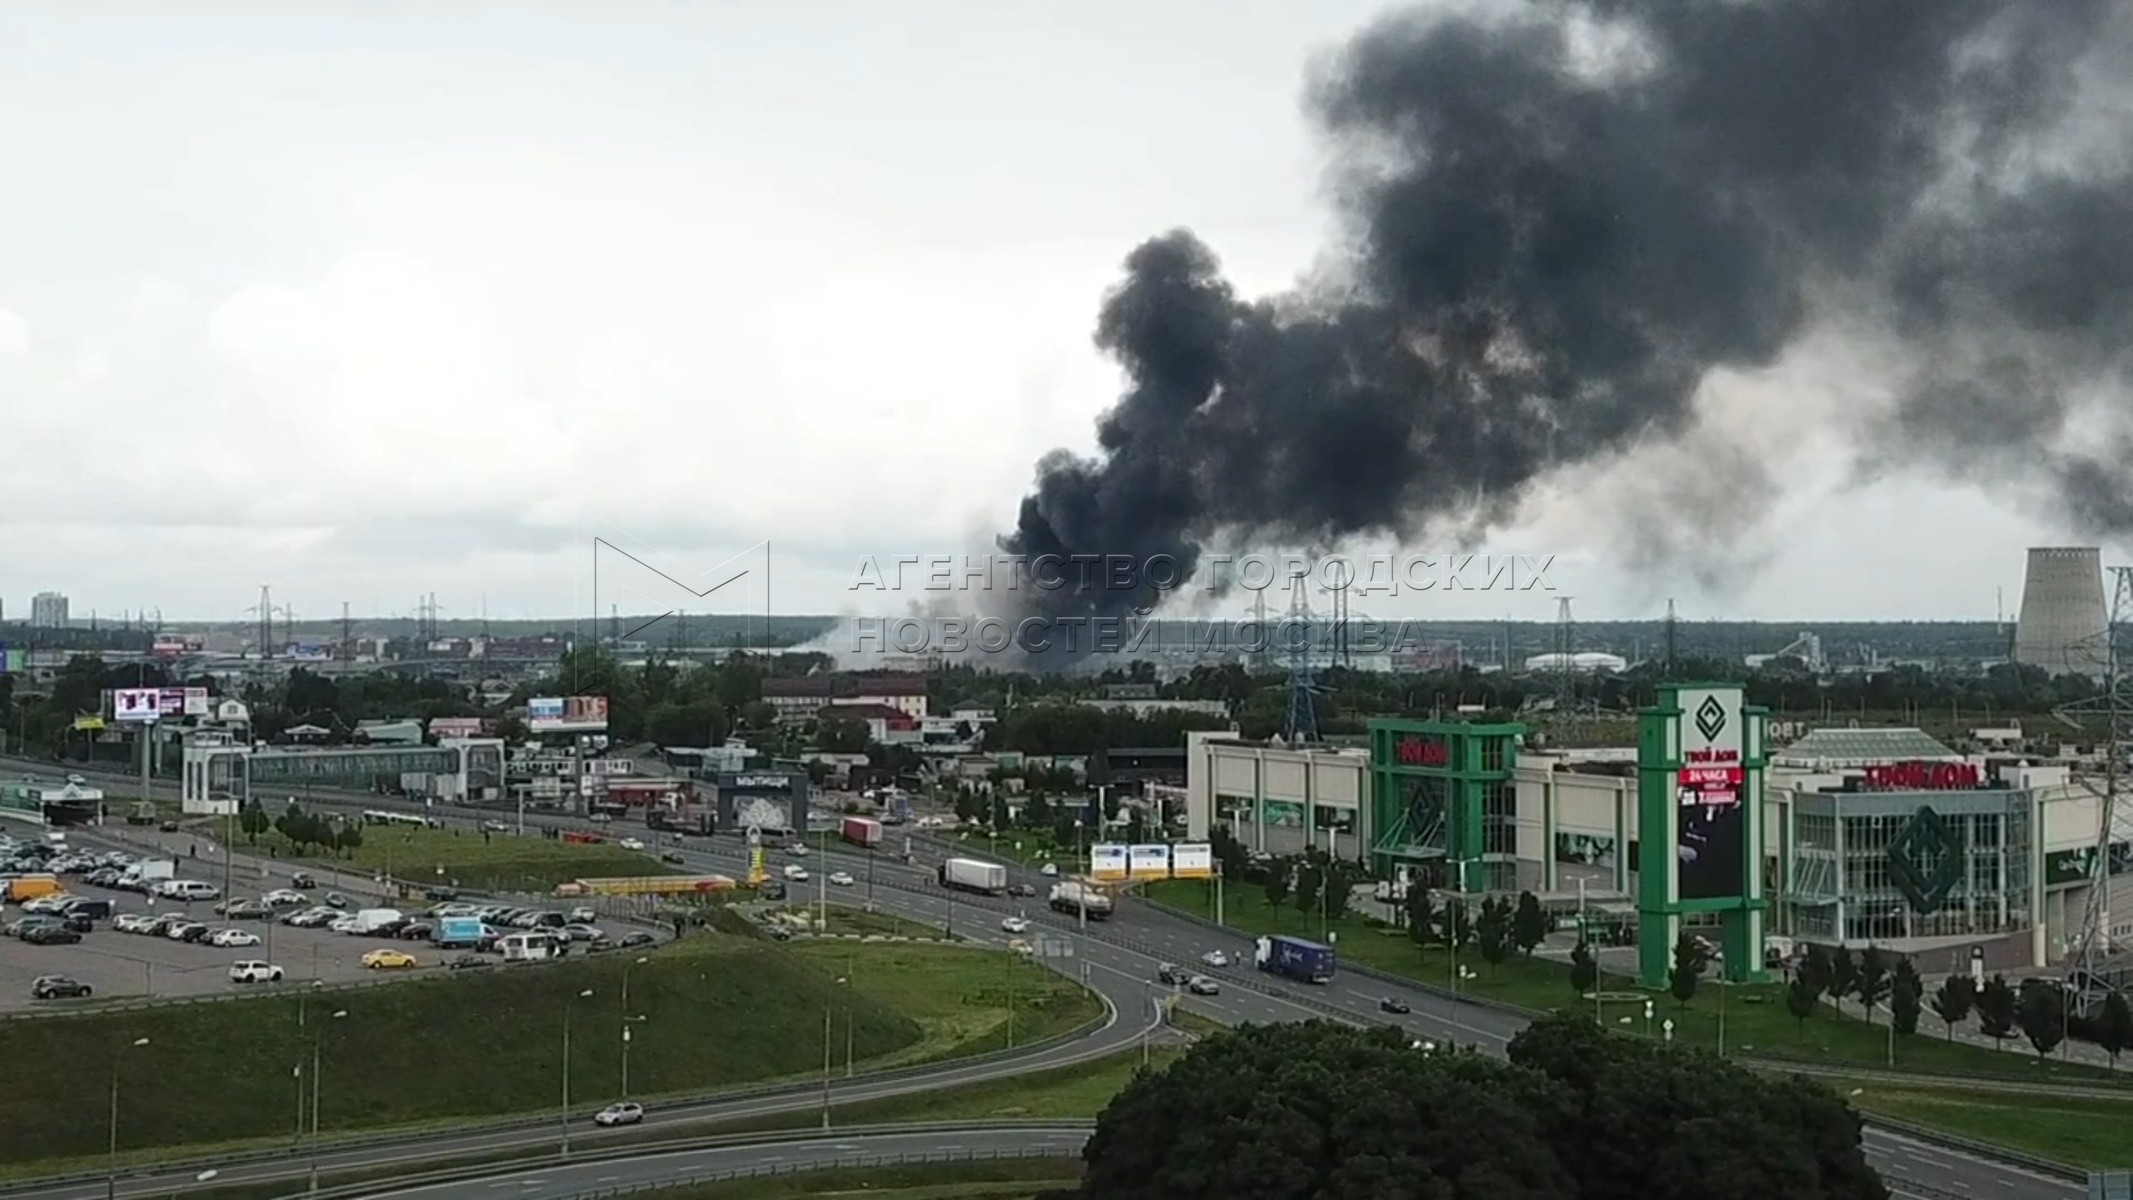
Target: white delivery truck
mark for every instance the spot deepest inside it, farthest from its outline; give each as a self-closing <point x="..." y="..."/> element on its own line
<point x="970" y="875"/>
<point x="1077" y="899"/>
<point x="370" y="920"/>
<point x="147" y="874"/>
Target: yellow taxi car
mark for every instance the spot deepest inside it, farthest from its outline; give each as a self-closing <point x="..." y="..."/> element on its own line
<point x="386" y="960"/>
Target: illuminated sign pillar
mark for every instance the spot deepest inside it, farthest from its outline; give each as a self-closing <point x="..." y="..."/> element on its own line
<point x="1700" y="760"/>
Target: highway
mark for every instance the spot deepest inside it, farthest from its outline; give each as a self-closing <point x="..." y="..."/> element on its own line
<point x="1118" y="959"/>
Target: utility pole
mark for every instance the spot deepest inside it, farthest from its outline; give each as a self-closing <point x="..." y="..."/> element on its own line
<point x="347" y="654"/>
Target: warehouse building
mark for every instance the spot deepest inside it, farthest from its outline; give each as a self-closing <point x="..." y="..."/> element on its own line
<point x="1868" y="836"/>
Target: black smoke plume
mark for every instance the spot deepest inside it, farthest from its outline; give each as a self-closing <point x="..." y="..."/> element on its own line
<point x="1559" y="223"/>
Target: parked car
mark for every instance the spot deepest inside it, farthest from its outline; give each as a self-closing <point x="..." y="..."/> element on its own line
<point x="415" y="931"/>
<point x="584" y="933"/>
<point x="619" y="1114"/>
<point x="232" y="938"/>
<point x="247" y="910"/>
<point x="582" y="915"/>
<point x="58" y="987"/>
<point x="672" y="858"/>
<point x="131" y="922"/>
<point x="50" y="935"/>
<point x="253" y="970"/>
<point x="286" y="898"/>
<point x="467" y="961"/>
<point x="188" y="931"/>
<point x="630" y="843"/>
<point x="336" y="900"/>
<point x="630" y="941"/>
<point x="388" y="960"/>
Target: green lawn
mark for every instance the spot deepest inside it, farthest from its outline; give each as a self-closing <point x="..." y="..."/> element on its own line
<point x="2089" y="1133"/>
<point x="717" y="1012"/>
<point x="1005" y="1179"/>
<point x="965" y="1000"/>
<point x="1753" y="1015"/>
<point x="844" y="920"/>
<point x="469" y="858"/>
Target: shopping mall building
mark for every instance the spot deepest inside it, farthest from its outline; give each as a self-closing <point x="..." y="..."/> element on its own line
<point x="1881" y="836"/>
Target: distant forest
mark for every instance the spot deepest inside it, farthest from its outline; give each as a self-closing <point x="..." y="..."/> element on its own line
<point x="1481" y="642"/>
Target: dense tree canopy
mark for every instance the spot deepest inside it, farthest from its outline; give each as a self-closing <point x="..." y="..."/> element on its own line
<point x="1327" y="1112"/>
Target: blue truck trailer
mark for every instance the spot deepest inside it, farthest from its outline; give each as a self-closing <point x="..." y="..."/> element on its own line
<point x="452" y="933"/>
<point x="1295" y="958"/>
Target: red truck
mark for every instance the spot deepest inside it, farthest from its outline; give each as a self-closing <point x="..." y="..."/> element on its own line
<point x="862" y="831"/>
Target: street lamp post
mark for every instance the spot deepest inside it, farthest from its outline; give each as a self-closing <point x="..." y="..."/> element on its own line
<point x="1667" y="1028"/>
<point x="565" y="1111"/>
<point x="111" y="1162"/>
<point x="316" y="1056"/>
<point x="827" y="1003"/>
<point x="626" y="1019"/>
<point x="1647" y="1018"/>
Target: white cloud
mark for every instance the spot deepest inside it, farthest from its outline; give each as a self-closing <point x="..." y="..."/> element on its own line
<point x="14" y="334"/>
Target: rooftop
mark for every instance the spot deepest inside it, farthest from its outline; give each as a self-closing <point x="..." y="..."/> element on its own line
<point x="1863" y="747"/>
<point x="846" y="685"/>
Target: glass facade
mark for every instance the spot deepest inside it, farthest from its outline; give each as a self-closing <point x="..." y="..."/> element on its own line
<point x="1858" y="860"/>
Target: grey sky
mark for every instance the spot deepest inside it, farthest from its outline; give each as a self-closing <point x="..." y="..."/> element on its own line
<point x="365" y="300"/>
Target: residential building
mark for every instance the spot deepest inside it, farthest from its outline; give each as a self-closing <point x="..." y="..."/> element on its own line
<point x="803" y="698"/>
<point x="48" y="610"/>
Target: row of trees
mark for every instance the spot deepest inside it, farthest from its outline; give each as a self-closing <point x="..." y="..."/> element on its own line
<point x="1330" y="1112"/>
<point x="302" y="830"/>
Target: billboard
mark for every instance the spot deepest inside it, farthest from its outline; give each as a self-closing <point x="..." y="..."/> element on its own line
<point x="1192" y="860"/>
<point x="558" y="714"/>
<point x="1710" y="830"/>
<point x="1107" y="861"/>
<point x="138" y="704"/>
<point x="1151" y="861"/>
<point x="13" y="660"/>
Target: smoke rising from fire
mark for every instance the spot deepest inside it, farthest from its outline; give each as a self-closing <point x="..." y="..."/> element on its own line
<point x="1558" y="224"/>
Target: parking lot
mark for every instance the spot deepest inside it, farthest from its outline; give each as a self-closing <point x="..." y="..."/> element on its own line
<point x="118" y="965"/>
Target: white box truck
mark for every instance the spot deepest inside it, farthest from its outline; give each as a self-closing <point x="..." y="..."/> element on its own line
<point x="1075" y="899"/>
<point x="370" y="920"/>
<point x="970" y="875"/>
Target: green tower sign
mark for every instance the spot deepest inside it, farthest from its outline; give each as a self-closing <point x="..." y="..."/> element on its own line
<point x="1700" y="760"/>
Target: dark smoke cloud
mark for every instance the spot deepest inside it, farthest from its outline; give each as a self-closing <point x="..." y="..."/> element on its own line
<point x="1548" y="252"/>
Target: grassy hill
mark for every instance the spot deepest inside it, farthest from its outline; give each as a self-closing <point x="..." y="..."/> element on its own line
<point x="717" y="1011"/>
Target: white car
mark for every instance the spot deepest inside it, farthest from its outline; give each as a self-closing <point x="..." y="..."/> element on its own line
<point x="286" y="898"/>
<point x="48" y="905"/>
<point x="1015" y="925"/>
<point x="796" y="873"/>
<point x="619" y="1114"/>
<point x="841" y="878"/>
<point x="254" y="971"/>
<point x="1049" y="870"/>
<point x="346" y="925"/>
<point x="232" y="937"/>
<point x="581" y="915"/>
<point x="129" y="923"/>
<point x="1215" y="958"/>
<point x="797" y="850"/>
<point x="631" y="844"/>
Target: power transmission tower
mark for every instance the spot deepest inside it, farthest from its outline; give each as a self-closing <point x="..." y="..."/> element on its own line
<point x="347" y="654"/>
<point x="2097" y="969"/>
<point x="265" y="610"/>
<point x="1302" y="722"/>
<point x="1563" y="714"/>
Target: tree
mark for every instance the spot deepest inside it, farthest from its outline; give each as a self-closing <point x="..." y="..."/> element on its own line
<point x="1953" y="1000"/>
<point x="841" y="735"/>
<point x="1529" y="928"/>
<point x="1802" y="999"/>
<point x="2042" y="1012"/>
<point x="349" y="837"/>
<point x="1843" y="976"/>
<point x="254" y="821"/>
<point x="1421" y="915"/>
<point x="1687" y="970"/>
<point x="1277" y="885"/>
<point x="1455" y="925"/>
<point x="1574" y="1115"/>
<point x="1584" y="969"/>
<point x="1905" y="992"/>
<point x="1493" y="930"/>
<point x="1310" y="886"/>
<point x="1996" y="1014"/>
<point x="1337" y="880"/>
<point x="1871" y="981"/>
<point x="1817" y="969"/>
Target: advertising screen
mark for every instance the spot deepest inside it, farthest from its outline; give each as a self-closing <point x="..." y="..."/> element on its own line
<point x="1148" y="862"/>
<point x="1710" y="831"/>
<point x="1192" y="860"/>
<point x="553" y="714"/>
<point x="137" y="704"/>
<point x="1107" y="861"/>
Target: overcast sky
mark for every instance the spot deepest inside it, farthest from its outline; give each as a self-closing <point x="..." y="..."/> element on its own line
<point x="367" y="300"/>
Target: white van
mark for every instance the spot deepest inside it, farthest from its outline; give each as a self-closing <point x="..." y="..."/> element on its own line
<point x="527" y="947"/>
<point x="189" y="890"/>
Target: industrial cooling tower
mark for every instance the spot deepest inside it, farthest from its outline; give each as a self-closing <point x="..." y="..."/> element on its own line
<point x="2063" y="623"/>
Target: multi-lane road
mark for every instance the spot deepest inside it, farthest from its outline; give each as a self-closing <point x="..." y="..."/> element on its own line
<point x="1118" y="959"/>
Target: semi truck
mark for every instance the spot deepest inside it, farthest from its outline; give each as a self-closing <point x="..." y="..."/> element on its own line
<point x="1294" y="958"/>
<point x="970" y="875"/>
<point x="861" y="831"/>
<point x="1078" y="899"/>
